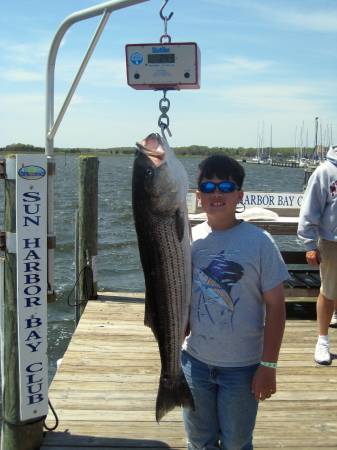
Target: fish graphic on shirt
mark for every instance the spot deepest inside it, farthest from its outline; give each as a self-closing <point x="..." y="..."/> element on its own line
<point x="216" y="281"/>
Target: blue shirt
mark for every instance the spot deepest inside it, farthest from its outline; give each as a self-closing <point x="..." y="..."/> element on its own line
<point x="231" y="271"/>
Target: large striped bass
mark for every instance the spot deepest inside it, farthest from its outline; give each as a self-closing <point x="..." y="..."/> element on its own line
<point x="159" y="188"/>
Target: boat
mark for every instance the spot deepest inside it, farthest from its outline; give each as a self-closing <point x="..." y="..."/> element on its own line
<point x="261" y="157"/>
<point x="257" y="160"/>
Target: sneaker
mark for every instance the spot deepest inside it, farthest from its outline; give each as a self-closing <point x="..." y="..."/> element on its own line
<point x="322" y="354"/>
<point x="333" y="323"/>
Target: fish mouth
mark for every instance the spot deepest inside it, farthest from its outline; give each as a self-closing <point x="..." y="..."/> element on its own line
<point x="152" y="147"/>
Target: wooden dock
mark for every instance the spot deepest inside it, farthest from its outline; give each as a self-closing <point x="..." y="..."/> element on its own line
<point x="104" y="391"/>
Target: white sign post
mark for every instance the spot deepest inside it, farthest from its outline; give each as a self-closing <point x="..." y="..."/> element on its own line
<point x="31" y="249"/>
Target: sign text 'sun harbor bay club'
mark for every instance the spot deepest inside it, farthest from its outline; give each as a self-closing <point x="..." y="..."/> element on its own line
<point x="31" y="249"/>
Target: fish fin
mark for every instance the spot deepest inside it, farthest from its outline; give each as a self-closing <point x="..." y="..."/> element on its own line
<point x="180" y="224"/>
<point x="228" y="300"/>
<point x="173" y="393"/>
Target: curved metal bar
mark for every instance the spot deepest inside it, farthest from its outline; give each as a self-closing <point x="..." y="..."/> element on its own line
<point x="79" y="74"/>
<point x="84" y="14"/>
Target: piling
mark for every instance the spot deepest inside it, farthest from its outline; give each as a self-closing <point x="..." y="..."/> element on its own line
<point x="88" y="224"/>
<point x="16" y="435"/>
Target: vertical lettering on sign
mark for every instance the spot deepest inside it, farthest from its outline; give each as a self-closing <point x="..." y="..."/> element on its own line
<point x="31" y="241"/>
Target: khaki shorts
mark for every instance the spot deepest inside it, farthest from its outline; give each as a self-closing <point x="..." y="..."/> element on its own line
<point x="328" y="268"/>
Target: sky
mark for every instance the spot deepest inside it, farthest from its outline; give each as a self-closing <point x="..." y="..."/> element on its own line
<point x="268" y="69"/>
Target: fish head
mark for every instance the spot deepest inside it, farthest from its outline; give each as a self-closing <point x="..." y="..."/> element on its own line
<point x="159" y="175"/>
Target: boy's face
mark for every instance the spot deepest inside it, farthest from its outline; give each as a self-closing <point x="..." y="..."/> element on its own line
<point x="219" y="203"/>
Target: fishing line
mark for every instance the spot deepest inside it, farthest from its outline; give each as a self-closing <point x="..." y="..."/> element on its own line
<point x="88" y="286"/>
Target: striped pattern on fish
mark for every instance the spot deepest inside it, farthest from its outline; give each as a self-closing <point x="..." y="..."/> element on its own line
<point x="159" y="190"/>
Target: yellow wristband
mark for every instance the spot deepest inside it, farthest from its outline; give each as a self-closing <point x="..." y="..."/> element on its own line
<point x="271" y="365"/>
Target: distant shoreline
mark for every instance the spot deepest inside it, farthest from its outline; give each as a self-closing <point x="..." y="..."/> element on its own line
<point x="192" y="150"/>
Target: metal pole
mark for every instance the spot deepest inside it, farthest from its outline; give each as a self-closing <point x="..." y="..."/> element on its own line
<point x="316" y="132"/>
<point x="2" y="305"/>
<point x="84" y="14"/>
<point x="79" y="74"/>
<point x="77" y="271"/>
<point x="51" y="128"/>
<point x="2" y="345"/>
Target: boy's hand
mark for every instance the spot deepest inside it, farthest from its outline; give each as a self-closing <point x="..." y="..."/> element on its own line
<point x="264" y="383"/>
<point x="313" y="257"/>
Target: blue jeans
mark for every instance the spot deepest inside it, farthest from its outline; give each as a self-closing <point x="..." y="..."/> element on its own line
<point x="225" y="408"/>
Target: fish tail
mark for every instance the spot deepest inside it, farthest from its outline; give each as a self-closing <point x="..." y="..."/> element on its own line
<point x="172" y="393"/>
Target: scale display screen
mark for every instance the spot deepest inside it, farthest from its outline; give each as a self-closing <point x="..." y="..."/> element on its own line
<point x="168" y="65"/>
<point x="154" y="58"/>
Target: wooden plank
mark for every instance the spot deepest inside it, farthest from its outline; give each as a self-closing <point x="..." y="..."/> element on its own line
<point x="105" y="390"/>
<point x="110" y="445"/>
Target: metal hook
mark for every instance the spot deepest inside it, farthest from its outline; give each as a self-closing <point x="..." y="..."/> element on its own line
<point x="165" y="18"/>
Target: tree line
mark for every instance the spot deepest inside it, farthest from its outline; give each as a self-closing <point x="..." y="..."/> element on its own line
<point x="191" y="150"/>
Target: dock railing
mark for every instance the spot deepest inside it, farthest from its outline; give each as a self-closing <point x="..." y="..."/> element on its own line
<point x="284" y="210"/>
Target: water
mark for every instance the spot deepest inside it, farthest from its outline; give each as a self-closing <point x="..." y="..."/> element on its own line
<point x="118" y="264"/>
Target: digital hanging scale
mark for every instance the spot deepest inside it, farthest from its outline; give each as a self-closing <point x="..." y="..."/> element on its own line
<point x="163" y="66"/>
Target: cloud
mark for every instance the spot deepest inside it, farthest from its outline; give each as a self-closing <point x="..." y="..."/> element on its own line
<point x="106" y="72"/>
<point x="12" y="101"/>
<point x="315" y="20"/>
<point x="284" y="98"/>
<point x="23" y="62"/>
<point x="29" y="53"/>
<point x="99" y="73"/>
<point x="303" y="15"/>
<point x="21" y="75"/>
<point x="25" y="105"/>
<point x="237" y="65"/>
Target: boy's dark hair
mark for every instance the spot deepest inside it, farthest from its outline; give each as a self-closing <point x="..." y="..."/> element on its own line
<point x="222" y="167"/>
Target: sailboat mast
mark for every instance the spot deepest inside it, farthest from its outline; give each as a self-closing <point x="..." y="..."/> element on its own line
<point x="316" y="133"/>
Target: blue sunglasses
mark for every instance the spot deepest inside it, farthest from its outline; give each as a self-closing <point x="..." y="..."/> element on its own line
<point x="207" y="187"/>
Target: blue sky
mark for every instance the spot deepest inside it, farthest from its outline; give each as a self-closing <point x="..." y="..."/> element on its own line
<point x="265" y="64"/>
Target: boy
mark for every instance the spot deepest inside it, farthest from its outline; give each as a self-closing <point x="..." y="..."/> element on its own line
<point x="237" y="315"/>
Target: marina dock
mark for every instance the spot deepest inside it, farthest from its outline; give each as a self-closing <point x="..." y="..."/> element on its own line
<point x="282" y="163"/>
<point x="105" y="389"/>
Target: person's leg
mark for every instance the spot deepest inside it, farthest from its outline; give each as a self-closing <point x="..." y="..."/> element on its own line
<point x="333" y="321"/>
<point x="325" y="308"/>
<point x="201" y="425"/>
<point x="325" y="301"/>
<point x="237" y="407"/>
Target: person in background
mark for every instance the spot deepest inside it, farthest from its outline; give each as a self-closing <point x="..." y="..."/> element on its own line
<point x="317" y="228"/>
<point x="237" y="315"/>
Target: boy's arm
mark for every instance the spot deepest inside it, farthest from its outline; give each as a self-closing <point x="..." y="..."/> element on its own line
<point x="264" y="381"/>
<point x="311" y="211"/>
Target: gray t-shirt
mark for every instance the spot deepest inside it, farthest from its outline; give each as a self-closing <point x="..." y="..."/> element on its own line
<point x="231" y="271"/>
